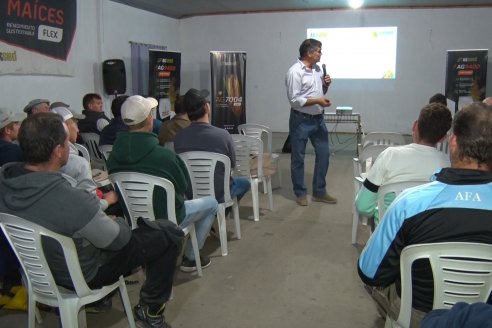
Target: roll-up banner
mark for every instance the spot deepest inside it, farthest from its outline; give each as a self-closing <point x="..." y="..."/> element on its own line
<point x="36" y="36"/>
<point x="228" y="94"/>
<point x="466" y="74"/>
<point x="164" y="79"/>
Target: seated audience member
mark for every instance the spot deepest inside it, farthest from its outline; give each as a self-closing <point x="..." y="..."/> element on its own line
<point x="456" y="206"/>
<point x="9" y="129"/>
<point x="77" y="167"/>
<point x="95" y="120"/>
<point x="168" y="130"/>
<point x="138" y="150"/>
<point x="108" y="134"/>
<point x="107" y="247"/>
<point x="438" y="98"/>
<point x="414" y="162"/>
<point x="202" y="136"/>
<point x="461" y="315"/>
<point x="37" y="106"/>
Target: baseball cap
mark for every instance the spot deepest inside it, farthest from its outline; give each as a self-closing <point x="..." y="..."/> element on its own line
<point x="58" y="104"/>
<point x="194" y="99"/>
<point x="136" y="109"/>
<point x="8" y="117"/>
<point x="34" y="103"/>
<point x="66" y="113"/>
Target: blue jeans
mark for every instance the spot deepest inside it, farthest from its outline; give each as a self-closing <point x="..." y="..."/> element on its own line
<point x="239" y="186"/>
<point x="301" y="128"/>
<point x="202" y="212"/>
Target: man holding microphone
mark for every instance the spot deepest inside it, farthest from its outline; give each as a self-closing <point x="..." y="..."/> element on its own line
<point x="306" y="85"/>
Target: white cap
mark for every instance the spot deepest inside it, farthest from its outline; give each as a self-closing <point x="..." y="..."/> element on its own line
<point x="136" y="109"/>
<point x="66" y="113"/>
<point x="8" y="117"/>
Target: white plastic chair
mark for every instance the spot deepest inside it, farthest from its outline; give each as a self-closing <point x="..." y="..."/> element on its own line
<point x="91" y="141"/>
<point x="246" y="149"/>
<point x="105" y="151"/>
<point x="169" y="145"/>
<point x="259" y="131"/>
<point x="201" y="168"/>
<point x="25" y="238"/>
<point x="443" y="146"/>
<point x="395" y="188"/>
<point x="382" y="138"/>
<point x="83" y="150"/>
<point x="362" y="165"/>
<point x="137" y="190"/>
<point x="462" y="272"/>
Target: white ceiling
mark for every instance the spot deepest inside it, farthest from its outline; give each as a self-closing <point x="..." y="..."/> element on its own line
<point x="190" y="8"/>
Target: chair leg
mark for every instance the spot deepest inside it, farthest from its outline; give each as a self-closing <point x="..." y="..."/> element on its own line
<point x="268" y="183"/>
<point x="32" y="312"/>
<point x="125" y="300"/>
<point x="222" y="229"/>
<point x="235" y="211"/>
<point x="196" y="250"/>
<point x="82" y="318"/>
<point x="355" y="225"/>
<point x="69" y="314"/>
<point x="254" y="195"/>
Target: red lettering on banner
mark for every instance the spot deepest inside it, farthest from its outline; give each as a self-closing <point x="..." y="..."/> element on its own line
<point x="42" y="13"/>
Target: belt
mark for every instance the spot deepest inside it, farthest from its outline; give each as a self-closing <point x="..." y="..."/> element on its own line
<point x="306" y="115"/>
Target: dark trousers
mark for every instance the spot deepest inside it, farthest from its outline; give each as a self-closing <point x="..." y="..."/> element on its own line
<point x="148" y="248"/>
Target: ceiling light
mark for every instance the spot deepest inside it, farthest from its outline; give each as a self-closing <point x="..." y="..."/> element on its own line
<point x="355" y="4"/>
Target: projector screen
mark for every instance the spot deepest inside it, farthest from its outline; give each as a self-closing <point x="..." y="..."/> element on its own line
<point x="358" y="52"/>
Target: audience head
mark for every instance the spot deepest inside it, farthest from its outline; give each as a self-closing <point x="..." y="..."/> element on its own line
<point x="92" y="102"/>
<point x="37" y="106"/>
<point x="58" y="104"/>
<point x="438" y="98"/>
<point x="179" y="105"/>
<point x="116" y="105"/>
<point x="471" y="140"/>
<point x="136" y="113"/>
<point x="433" y="124"/>
<point x="70" y="118"/>
<point x="9" y="125"/>
<point x="308" y="46"/>
<point x="43" y="138"/>
<point x="488" y="101"/>
<point x="196" y="103"/>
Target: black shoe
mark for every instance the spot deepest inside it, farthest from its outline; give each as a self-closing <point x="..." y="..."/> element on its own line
<point x="147" y="320"/>
<point x="188" y="265"/>
<point x="101" y="306"/>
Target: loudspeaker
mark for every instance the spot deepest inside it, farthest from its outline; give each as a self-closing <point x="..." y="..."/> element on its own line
<point x="114" y="76"/>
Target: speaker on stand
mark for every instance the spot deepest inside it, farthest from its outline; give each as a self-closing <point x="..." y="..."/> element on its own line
<point x="114" y="77"/>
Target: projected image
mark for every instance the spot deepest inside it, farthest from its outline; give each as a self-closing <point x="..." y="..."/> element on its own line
<point x="358" y="52"/>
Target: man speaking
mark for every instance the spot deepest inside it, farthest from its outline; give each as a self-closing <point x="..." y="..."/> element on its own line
<point x="306" y="85"/>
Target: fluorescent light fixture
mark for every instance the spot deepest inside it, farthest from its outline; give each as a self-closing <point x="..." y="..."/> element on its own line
<point x="355" y="4"/>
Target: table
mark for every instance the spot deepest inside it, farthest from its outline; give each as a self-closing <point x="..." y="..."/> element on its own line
<point x="353" y="118"/>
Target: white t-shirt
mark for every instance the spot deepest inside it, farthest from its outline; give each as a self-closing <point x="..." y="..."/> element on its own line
<point x="406" y="163"/>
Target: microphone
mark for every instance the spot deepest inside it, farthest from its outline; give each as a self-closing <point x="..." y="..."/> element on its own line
<point x="324" y="69"/>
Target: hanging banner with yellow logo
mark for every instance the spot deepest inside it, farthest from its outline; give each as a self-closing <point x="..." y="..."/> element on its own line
<point x="164" y="79"/>
<point x="228" y="94"/>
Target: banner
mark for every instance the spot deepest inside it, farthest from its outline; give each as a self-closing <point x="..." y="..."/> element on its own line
<point x="36" y="36"/>
<point x="228" y="94"/>
<point x="466" y="74"/>
<point x="164" y="79"/>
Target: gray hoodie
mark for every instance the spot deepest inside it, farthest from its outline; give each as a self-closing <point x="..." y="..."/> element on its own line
<point x="48" y="199"/>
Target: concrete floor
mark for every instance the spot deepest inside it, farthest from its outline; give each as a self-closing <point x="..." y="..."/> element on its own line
<point x="296" y="267"/>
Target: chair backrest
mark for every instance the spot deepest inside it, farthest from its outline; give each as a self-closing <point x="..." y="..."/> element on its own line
<point x="368" y="156"/>
<point x="201" y="168"/>
<point x="443" y="146"/>
<point x="257" y="131"/>
<point x="25" y="238"/>
<point x="462" y="272"/>
<point x="246" y="149"/>
<point x="395" y="188"/>
<point x="92" y="142"/>
<point x="137" y="190"/>
<point x="383" y="138"/>
<point x="105" y="151"/>
<point x="83" y="151"/>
